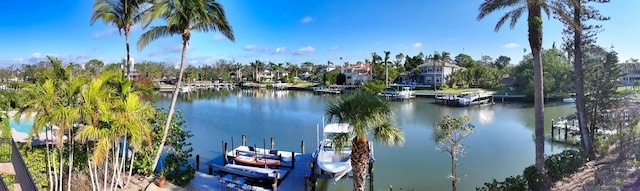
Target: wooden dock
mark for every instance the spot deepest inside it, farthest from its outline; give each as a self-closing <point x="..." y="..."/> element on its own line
<point x="296" y="178"/>
<point x="327" y="90"/>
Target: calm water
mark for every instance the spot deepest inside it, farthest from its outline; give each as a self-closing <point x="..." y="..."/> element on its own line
<point x="502" y="144"/>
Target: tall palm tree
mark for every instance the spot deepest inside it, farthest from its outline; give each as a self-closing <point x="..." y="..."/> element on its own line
<point x="182" y="17"/>
<point x="123" y="14"/>
<point x="366" y="113"/>
<point x="533" y="8"/>
<point x="386" y="66"/>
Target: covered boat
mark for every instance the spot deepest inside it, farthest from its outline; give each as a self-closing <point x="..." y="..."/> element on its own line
<point x="334" y="161"/>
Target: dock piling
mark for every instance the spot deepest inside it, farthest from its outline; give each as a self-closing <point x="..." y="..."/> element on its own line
<point x="244" y="140"/>
<point x="566" y="128"/>
<point x="552" y="130"/>
<point x="293" y="159"/>
<point x="275" y="180"/>
<point x="197" y="162"/>
<point x="210" y="170"/>
<point x="272" y="143"/>
<point x="226" y="159"/>
<point x="302" y="146"/>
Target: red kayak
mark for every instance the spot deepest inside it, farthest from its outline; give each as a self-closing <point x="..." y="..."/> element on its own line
<point x="257" y="161"/>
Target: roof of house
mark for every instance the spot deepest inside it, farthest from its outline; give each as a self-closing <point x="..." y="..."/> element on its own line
<point x="431" y="63"/>
<point x="358" y="66"/>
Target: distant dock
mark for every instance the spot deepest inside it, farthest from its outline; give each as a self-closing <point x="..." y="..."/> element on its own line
<point x="465" y="99"/>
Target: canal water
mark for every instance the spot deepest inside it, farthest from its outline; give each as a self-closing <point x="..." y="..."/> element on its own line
<point x="501" y="146"/>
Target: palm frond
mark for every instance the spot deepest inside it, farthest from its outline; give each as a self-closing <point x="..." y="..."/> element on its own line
<point x="490" y="6"/>
<point x="151" y="35"/>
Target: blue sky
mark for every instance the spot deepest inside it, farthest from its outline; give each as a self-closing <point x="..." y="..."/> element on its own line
<point x="296" y="31"/>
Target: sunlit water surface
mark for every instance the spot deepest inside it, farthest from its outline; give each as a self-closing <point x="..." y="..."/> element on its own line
<point x="502" y="144"/>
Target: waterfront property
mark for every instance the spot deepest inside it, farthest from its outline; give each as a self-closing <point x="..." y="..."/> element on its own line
<point x="432" y="73"/>
<point x="501" y="146"/>
<point x="357" y="74"/>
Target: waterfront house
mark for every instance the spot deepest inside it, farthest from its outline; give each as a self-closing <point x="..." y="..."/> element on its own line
<point x="265" y="76"/>
<point x="430" y="73"/>
<point x="281" y="74"/>
<point x="631" y="73"/>
<point x="357" y="74"/>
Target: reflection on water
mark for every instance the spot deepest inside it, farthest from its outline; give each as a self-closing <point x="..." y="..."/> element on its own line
<point x="502" y="144"/>
<point x="486" y="114"/>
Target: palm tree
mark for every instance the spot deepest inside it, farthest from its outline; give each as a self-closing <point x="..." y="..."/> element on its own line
<point x="53" y="98"/>
<point x="366" y="113"/>
<point x="534" y="20"/>
<point x="386" y="66"/>
<point x="123" y="14"/>
<point x="182" y="17"/>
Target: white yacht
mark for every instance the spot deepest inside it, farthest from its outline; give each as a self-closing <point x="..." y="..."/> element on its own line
<point x="333" y="161"/>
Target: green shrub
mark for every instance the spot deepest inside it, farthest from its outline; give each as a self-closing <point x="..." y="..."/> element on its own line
<point x="563" y="164"/>
<point x="517" y="183"/>
<point x="175" y="166"/>
<point x="558" y="166"/>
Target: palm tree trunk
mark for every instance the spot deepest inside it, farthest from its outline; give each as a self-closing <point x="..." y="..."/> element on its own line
<point x="51" y="186"/>
<point x="61" y="179"/>
<point x="123" y="159"/>
<point x="70" y="160"/>
<point x="95" y="170"/>
<point x="106" y="169"/>
<point x="116" y="157"/>
<point x="173" y="103"/>
<point x="126" y="36"/>
<point x="93" y="183"/>
<point x="360" y="162"/>
<point x="130" y="169"/>
<point x="535" y="41"/>
<point x="587" y="142"/>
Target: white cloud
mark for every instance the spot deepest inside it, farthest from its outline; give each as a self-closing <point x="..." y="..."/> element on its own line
<point x="38" y="57"/>
<point x="217" y="37"/>
<point x="105" y="33"/>
<point x="417" y="45"/>
<point x="305" y="50"/>
<point x="334" y="48"/>
<point x="306" y="19"/>
<point x="253" y="47"/>
<point x="201" y="61"/>
<point x="280" y="50"/>
<point x="511" y="45"/>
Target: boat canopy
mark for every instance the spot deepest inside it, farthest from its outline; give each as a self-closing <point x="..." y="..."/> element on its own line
<point x="337" y="128"/>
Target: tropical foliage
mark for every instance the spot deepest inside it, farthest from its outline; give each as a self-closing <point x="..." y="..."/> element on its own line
<point x="182" y="17"/>
<point x="367" y="114"/>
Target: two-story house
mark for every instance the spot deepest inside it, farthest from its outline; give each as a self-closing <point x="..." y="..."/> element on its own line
<point x="631" y="73"/>
<point x="430" y="73"/>
<point x="357" y="74"/>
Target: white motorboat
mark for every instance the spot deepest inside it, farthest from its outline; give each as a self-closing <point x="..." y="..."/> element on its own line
<point x="185" y="89"/>
<point x="405" y="93"/>
<point x="569" y="100"/>
<point x="334" y="161"/>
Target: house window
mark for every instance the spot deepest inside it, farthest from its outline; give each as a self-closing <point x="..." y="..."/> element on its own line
<point x="429" y="68"/>
<point x="437" y="80"/>
<point x="437" y="68"/>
